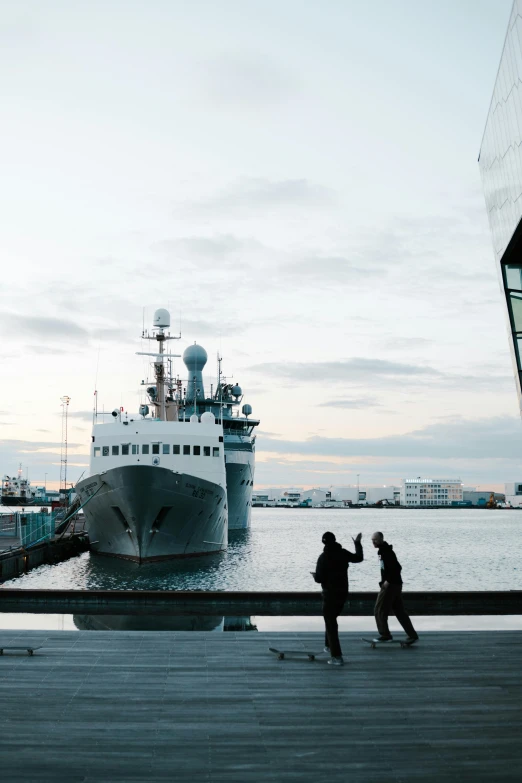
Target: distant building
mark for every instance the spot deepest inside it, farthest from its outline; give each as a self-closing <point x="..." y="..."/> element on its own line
<point x="513" y="492"/>
<point x="478" y="498"/>
<point x="431" y="492"/>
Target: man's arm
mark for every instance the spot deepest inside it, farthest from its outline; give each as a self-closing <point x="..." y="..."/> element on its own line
<point x="319" y="570"/>
<point x="358" y="557"/>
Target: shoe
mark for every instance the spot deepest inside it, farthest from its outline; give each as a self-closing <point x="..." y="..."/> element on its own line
<point x="412" y="639"/>
<point x="383" y="639"/>
<point x="336" y="661"/>
<point x="327" y="650"/>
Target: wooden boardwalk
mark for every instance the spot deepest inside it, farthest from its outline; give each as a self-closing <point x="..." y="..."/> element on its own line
<point x="144" y="706"/>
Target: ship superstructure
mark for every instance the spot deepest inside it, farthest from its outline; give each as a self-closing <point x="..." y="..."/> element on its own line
<point x="17" y="491"/>
<point x="157" y="483"/>
<point x="238" y="429"/>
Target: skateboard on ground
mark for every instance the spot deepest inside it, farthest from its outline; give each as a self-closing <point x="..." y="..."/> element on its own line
<point x="373" y="644"/>
<point x="29" y="650"/>
<point x="281" y="654"/>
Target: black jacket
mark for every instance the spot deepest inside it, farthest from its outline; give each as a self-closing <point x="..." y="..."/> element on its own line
<point x="390" y="566"/>
<point x="332" y="567"/>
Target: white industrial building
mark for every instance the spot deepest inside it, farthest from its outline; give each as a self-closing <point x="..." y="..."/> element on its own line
<point x="431" y="492"/>
<point x="326" y="497"/>
<point x="513" y="492"/>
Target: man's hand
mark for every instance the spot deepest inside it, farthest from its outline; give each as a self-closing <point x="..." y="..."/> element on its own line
<point x="357" y="539"/>
<point x="385" y="584"/>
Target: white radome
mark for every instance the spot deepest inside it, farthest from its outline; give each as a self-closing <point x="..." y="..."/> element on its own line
<point x="161" y="319"/>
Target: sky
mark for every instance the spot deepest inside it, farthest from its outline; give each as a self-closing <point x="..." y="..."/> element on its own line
<point x="297" y="182"/>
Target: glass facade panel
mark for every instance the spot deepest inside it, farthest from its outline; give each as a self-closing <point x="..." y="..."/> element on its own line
<point x="155" y="448"/>
<point x="175" y="449"/>
<point x="515" y="303"/>
<point x="135" y="449"/>
<point x="186" y="449"/>
<point x="197" y="451"/>
<point x="145" y="448"/>
<point x="115" y="451"/>
<point x="125" y="449"/>
<point x="166" y="448"/>
<point x="513" y="273"/>
<point x="105" y="451"/>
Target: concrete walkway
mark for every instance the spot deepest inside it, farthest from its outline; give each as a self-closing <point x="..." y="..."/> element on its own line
<point x="144" y="706"/>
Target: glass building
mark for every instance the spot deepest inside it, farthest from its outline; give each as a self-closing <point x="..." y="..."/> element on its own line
<point x="500" y="162"/>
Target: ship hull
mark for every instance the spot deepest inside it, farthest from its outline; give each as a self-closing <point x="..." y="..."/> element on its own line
<point x="240" y="480"/>
<point x="148" y="513"/>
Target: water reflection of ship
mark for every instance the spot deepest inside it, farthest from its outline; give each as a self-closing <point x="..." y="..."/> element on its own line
<point x="132" y="622"/>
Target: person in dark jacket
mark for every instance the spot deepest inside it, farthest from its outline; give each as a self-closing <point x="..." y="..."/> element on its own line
<point x="389" y="599"/>
<point x="332" y="573"/>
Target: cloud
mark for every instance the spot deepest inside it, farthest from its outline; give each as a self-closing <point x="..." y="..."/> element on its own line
<point x="221" y="247"/>
<point x="110" y="334"/>
<point x="42" y="327"/>
<point x="356" y="369"/>
<point x="255" y="193"/>
<point x="83" y="415"/>
<point x="355" y="404"/>
<point x="494" y="438"/>
<point x="246" y="81"/>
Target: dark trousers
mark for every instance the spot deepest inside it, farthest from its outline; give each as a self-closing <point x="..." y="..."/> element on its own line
<point x="389" y="601"/>
<point x="333" y="602"/>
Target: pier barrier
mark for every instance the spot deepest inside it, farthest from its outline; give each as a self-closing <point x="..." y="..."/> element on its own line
<point x="287" y="604"/>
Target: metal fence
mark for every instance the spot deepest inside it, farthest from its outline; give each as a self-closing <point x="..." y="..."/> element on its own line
<point x="25" y="529"/>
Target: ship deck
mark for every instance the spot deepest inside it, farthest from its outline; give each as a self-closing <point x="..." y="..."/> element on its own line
<point x="145" y="706"/>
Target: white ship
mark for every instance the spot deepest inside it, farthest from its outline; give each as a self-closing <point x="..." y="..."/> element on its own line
<point x="157" y="484"/>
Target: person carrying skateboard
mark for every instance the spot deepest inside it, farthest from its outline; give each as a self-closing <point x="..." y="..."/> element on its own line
<point x="332" y="574"/>
<point x="390" y="595"/>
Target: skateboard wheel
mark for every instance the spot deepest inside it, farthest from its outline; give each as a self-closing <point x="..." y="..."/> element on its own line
<point x="280" y="657"/>
<point x="373" y="646"/>
<point x="30" y="652"/>
<point x="311" y="657"/>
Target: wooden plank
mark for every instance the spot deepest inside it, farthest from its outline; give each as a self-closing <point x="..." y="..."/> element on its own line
<point x="142" y="706"/>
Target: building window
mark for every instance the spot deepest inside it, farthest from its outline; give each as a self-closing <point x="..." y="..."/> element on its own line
<point x="175" y="449"/>
<point x="96" y="451"/>
<point x="215" y="451"/>
<point x="145" y="448"/>
<point x="105" y="451"/>
<point x="206" y="451"/>
<point x="155" y="448"/>
<point x="196" y="451"/>
<point x="115" y="451"/>
<point x="186" y="449"/>
<point x="135" y="449"/>
<point x="166" y="448"/>
<point x="125" y="449"/>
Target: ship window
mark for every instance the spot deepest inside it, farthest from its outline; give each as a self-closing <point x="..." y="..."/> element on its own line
<point x="145" y="448"/>
<point x="206" y="451"/>
<point x="135" y="449"/>
<point x="186" y="449"/>
<point x="215" y="451"/>
<point x="175" y="449"/>
<point x="96" y="451"/>
<point x="115" y="451"/>
<point x="105" y="451"/>
<point x="166" y="448"/>
<point x="155" y="448"/>
<point x="125" y="449"/>
<point x="196" y="451"/>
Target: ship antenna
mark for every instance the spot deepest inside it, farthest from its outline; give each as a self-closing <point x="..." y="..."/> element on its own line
<point x="63" y="461"/>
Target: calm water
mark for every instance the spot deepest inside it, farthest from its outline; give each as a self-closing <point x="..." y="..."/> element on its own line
<point x="439" y="550"/>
